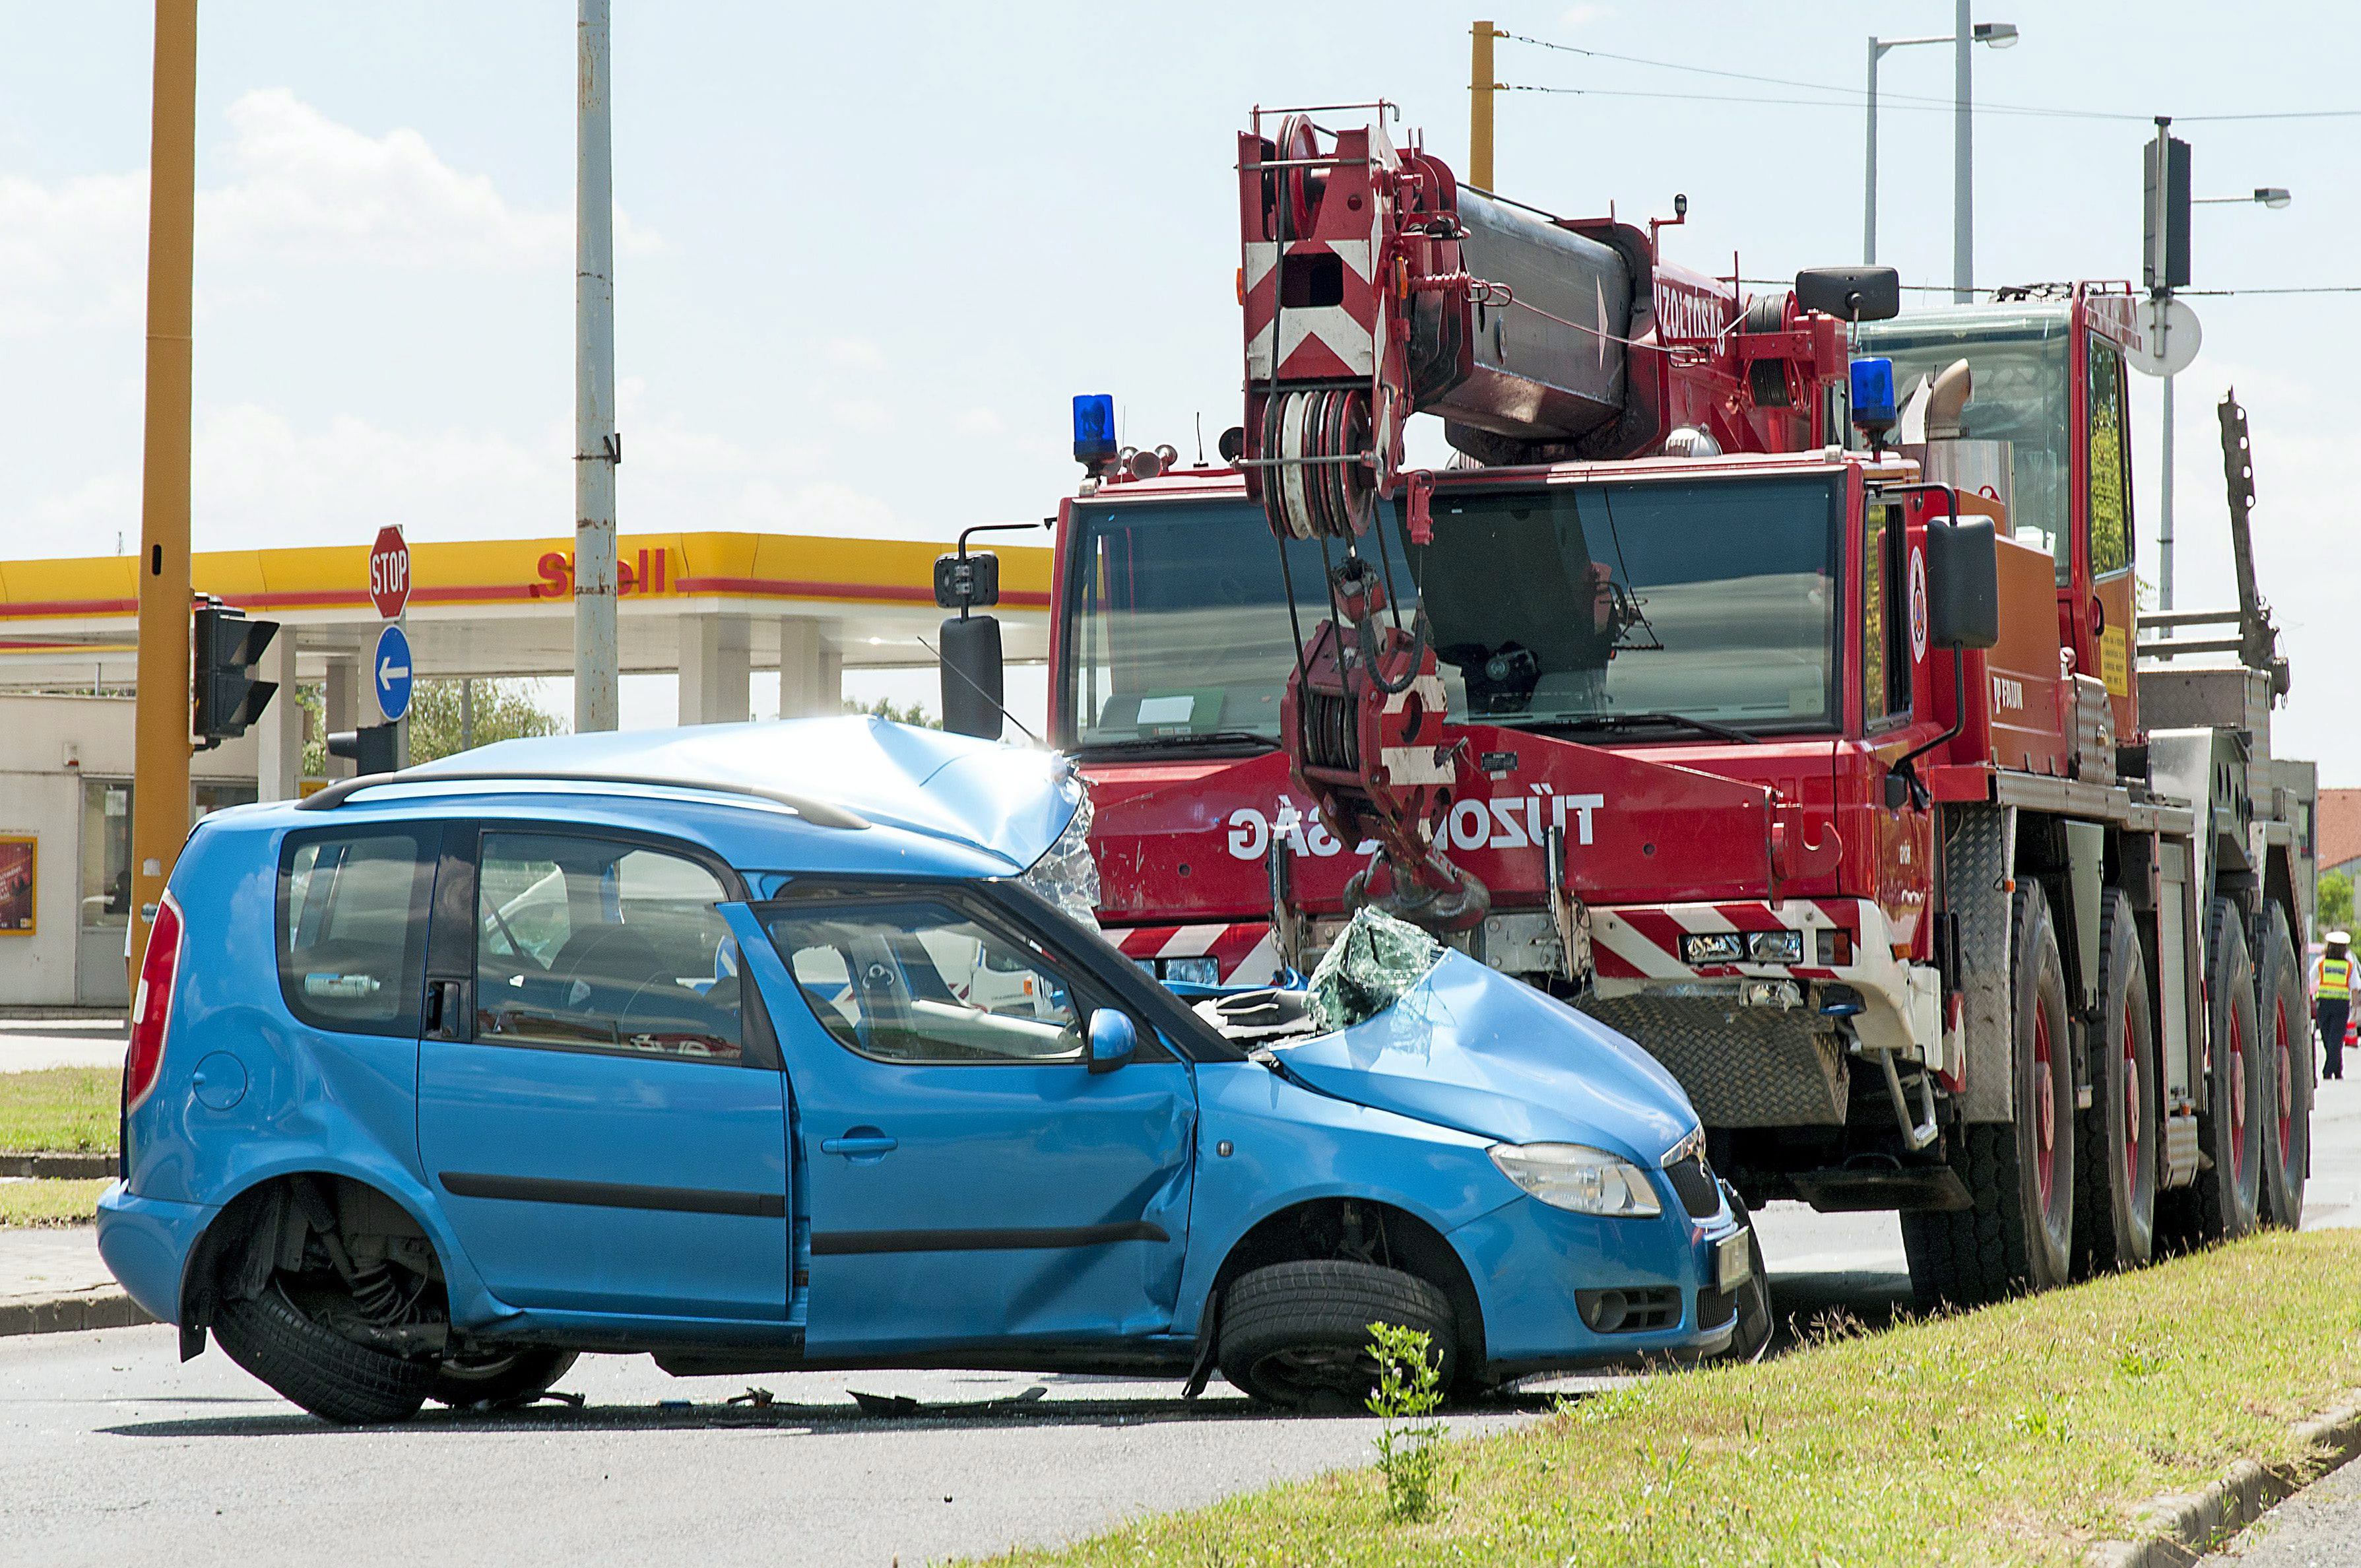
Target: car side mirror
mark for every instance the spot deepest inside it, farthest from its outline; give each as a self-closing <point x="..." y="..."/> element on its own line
<point x="1963" y="584"/>
<point x="1851" y="293"/>
<point x="1115" y="1039"/>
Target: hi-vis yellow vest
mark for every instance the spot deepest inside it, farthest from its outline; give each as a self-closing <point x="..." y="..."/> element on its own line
<point x="2336" y="979"/>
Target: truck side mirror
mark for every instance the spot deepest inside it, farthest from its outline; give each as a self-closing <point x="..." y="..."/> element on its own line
<point x="971" y="675"/>
<point x="1851" y="293"/>
<point x="1963" y="585"/>
<point x="1115" y="1039"/>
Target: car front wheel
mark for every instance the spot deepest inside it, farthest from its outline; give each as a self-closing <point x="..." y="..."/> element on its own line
<point x="1297" y="1335"/>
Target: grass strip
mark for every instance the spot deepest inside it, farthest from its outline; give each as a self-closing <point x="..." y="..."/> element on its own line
<point x="64" y="1109"/>
<point x="44" y="1204"/>
<point x="2018" y="1434"/>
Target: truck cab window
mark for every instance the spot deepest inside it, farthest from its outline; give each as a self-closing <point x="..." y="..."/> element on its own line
<point x="2110" y="490"/>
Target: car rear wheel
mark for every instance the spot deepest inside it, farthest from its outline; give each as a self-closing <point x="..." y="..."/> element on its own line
<point x="317" y="1368"/>
<point x="500" y="1379"/>
<point x="1297" y="1335"/>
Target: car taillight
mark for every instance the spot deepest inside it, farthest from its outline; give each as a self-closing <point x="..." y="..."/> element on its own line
<point x="151" y="1004"/>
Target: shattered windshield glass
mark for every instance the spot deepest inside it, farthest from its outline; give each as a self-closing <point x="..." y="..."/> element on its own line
<point x="1712" y="599"/>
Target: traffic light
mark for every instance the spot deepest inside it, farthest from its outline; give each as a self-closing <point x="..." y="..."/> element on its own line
<point x="226" y="647"/>
<point x="372" y="747"/>
<point x="2164" y="239"/>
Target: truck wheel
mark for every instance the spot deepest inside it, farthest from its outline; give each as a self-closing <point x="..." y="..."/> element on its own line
<point x="1297" y="1335"/>
<point x="317" y="1368"/>
<point x="2115" y="1208"/>
<point x="501" y="1380"/>
<point x="2019" y="1233"/>
<point x="2221" y="1204"/>
<point x="2286" y="1062"/>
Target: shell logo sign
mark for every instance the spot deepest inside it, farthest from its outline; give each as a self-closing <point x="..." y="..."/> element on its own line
<point x="647" y="574"/>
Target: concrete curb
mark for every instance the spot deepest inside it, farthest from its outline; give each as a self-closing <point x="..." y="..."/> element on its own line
<point x="71" y="1167"/>
<point x="2182" y="1527"/>
<point x="70" y="1314"/>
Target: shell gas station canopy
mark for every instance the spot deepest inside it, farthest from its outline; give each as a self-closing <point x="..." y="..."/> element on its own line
<point x="710" y="606"/>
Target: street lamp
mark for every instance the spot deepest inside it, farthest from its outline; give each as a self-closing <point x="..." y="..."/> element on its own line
<point x="1994" y="35"/>
<point x="2271" y="196"/>
<point x="2274" y="197"/>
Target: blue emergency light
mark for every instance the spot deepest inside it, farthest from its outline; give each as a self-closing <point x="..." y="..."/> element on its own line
<point x="1094" y="430"/>
<point x="1872" y="394"/>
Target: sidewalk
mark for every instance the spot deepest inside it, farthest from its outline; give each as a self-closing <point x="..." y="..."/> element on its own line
<point x="53" y="1282"/>
<point x="27" y="1044"/>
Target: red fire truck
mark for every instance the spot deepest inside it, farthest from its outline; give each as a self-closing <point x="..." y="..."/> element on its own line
<point x="1812" y="743"/>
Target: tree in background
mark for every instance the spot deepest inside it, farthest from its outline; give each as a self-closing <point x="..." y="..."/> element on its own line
<point x="502" y="710"/>
<point x="916" y="713"/>
<point x="2332" y="909"/>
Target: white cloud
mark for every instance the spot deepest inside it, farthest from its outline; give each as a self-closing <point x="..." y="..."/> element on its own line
<point x="855" y="353"/>
<point x="302" y="188"/>
<point x="310" y="188"/>
<point x="861" y="413"/>
<point x="1576" y="17"/>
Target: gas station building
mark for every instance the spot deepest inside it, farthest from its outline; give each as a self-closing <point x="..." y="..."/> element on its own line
<point x="713" y="607"/>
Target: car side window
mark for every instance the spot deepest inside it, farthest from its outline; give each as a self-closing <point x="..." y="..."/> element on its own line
<point x="352" y="928"/>
<point x="591" y="944"/>
<point x="918" y="980"/>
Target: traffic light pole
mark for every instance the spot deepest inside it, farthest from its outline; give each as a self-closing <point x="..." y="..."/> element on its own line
<point x="595" y="450"/>
<point x="160" y="805"/>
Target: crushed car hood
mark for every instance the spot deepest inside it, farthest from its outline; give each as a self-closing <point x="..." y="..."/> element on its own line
<point x="1470" y="1049"/>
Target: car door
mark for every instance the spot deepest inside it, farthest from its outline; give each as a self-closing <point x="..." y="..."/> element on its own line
<point x="971" y="1181"/>
<point x="599" y="1108"/>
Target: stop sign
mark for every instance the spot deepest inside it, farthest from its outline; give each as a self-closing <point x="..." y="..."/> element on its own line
<point x="389" y="573"/>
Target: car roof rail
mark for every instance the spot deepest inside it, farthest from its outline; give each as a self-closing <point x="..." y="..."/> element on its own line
<point x="819" y="813"/>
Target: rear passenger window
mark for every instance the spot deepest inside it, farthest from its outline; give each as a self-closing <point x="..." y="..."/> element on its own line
<point x="352" y="930"/>
<point x="587" y="944"/>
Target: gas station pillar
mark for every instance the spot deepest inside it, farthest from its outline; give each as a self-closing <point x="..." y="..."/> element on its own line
<point x="278" y="761"/>
<point x="811" y="674"/>
<point x="715" y="669"/>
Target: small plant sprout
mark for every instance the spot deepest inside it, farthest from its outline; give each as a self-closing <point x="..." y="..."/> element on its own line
<point x="1409" y="1451"/>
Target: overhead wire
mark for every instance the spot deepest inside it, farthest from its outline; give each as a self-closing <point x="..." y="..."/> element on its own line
<point x="1854" y="97"/>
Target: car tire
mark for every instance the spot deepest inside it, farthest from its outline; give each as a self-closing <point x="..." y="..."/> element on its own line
<point x="2222" y="1203"/>
<point x="1296" y="1336"/>
<point x="2018" y="1233"/>
<point x="2286" y="1030"/>
<point x="1754" y="1320"/>
<point x="500" y="1381"/>
<point x="2123" y="1130"/>
<point x="317" y="1368"/>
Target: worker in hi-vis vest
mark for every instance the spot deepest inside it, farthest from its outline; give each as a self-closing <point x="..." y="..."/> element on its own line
<point x="2332" y="998"/>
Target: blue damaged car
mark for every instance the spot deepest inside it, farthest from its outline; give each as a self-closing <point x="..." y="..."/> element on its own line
<point x="775" y="1047"/>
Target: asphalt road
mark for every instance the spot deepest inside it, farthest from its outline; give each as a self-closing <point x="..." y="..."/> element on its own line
<point x="110" y="1447"/>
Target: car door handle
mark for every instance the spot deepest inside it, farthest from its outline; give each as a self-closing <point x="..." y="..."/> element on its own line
<point x="861" y="1142"/>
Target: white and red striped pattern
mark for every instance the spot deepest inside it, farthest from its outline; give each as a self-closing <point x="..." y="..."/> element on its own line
<point x="1244" y="949"/>
<point x="1344" y="337"/>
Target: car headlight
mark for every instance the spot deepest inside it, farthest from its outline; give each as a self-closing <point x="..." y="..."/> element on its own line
<point x="1067" y="874"/>
<point x="1576" y="1177"/>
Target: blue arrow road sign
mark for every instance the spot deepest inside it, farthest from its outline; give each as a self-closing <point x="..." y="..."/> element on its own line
<point x="391" y="669"/>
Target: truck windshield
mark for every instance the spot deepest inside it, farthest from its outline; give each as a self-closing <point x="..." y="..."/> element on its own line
<point x="1711" y="600"/>
<point x="2019" y="357"/>
<point x="1176" y="622"/>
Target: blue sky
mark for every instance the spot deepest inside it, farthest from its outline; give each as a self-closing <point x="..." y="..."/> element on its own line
<point x="868" y="253"/>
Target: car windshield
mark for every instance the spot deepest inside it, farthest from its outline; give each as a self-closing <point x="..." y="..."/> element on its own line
<point x="1658" y="601"/>
<point x="2020" y="396"/>
<point x="1175" y="621"/>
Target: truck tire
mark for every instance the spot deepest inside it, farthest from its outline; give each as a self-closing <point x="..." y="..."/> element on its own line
<point x="501" y="1380"/>
<point x="2019" y="1233"/>
<point x="1297" y="1335"/>
<point x="2222" y="1203"/>
<point x="317" y="1368"/>
<point x="2285" y="1020"/>
<point x="2122" y="1132"/>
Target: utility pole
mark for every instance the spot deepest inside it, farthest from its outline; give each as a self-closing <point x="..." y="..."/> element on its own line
<point x="1480" y="87"/>
<point x="1963" y="162"/>
<point x="1868" y="164"/>
<point x="159" y="802"/>
<point x="596" y="448"/>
